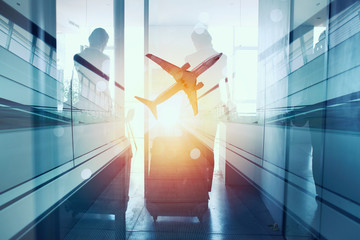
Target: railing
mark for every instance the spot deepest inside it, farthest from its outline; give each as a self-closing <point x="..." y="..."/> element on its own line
<point x="88" y="88"/>
<point x="27" y="46"/>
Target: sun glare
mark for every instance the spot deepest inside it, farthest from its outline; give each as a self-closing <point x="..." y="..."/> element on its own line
<point x="169" y="114"/>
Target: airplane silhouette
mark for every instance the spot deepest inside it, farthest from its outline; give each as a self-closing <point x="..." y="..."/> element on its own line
<point x="185" y="80"/>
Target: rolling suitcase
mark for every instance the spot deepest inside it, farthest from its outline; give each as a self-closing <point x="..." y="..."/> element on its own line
<point x="177" y="183"/>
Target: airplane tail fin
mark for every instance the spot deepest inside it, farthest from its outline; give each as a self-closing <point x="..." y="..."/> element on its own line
<point x="199" y="85"/>
<point x="150" y="104"/>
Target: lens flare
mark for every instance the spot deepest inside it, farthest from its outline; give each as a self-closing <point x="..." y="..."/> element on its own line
<point x="195" y="153"/>
<point x="58" y="131"/>
<point x="86" y="173"/>
<point x="169" y="113"/>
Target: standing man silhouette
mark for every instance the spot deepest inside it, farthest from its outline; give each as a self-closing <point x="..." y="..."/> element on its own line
<point x="98" y="40"/>
<point x="202" y="41"/>
<point x="208" y="114"/>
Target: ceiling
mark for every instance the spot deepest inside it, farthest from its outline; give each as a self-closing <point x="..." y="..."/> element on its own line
<point x="312" y="12"/>
<point x="72" y="15"/>
<point x="212" y="12"/>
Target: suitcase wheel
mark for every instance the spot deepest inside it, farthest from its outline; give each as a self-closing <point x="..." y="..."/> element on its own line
<point x="154" y="218"/>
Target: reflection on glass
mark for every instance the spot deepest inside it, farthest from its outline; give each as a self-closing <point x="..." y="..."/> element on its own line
<point x="47" y="124"/>
<point x="311" y="110"/>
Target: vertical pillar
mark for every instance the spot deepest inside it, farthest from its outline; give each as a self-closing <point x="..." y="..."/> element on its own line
<point x="146" y="92"/>
<point x="119" y="19"/>
<point x="119" y="25"/>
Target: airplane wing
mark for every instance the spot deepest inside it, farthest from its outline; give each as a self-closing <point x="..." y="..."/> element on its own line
<point x="170" y="68"/>
<point x="193" y="100"/>
<point x="202" y="67"/>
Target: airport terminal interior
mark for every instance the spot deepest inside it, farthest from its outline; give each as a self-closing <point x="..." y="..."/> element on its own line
<point x="180" y="119"/>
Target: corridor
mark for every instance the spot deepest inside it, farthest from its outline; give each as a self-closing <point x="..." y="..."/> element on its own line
<point x="235" y="213"/>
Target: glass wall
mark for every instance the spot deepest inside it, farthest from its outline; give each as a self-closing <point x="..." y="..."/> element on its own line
<point x="58" y="112"/>
<point x="94" y="95"/>
<point x="29" y="100"/>
<point x="38" y="75"/>
<point x="308" y="66"/>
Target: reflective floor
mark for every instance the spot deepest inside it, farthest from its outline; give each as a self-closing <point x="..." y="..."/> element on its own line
<point x="234" y="213"/>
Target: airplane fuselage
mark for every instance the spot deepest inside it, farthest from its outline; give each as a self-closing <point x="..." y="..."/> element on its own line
<point x="184" y="80"/>
<point x="188" y="79"/>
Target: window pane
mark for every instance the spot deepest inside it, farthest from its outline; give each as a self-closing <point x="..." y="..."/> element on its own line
<point x="19" y="49"/>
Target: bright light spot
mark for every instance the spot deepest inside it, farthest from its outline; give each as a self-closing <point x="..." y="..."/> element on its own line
<point x="86" y="173"/>
<point x="276" y="15"/>
<point x="317" y="32"/>
<point x="58" y="131"/>
<point x="101" y="86"/>
<point x="60" y="107"/>
<point x="169" y="118"/>
<point x="169" y="112"/>
<point x="199" y="28"/>
<point x="204" y="17"/>
<point x="195" y="153"/>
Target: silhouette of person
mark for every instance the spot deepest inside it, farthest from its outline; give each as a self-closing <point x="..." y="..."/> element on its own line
<point x="94" y="55"/>
<point x="202" y="41"/>
<point x="316" y="123"/>
<point x="320" y="45"/>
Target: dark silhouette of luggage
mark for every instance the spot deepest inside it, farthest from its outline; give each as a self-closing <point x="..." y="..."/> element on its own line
<point x="177" y="183"/>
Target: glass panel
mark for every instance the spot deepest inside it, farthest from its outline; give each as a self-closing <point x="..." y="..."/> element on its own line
<point x="19" y="49"/>
<point x="25" y="36"/>
<point x="21" y="42"/>
<point x="304" y="116"/>
<point x="342" y="135"/>
<point x="3" y="38"/>
<point x="54" y="56"/>
<point x="296" y="57"/>
<point x="4" y="30"/>
<point x="54" y="140"/>
<point x="42" y="52"/>
<point x="42" y="48"/>
<point x="94" y="98"/>
<point x="40" y="63"/>
<point x="4" y="20"/>
<point x="34" y="123"/>
<point x="245" y="85"/>
<point x="53" y="72"/>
